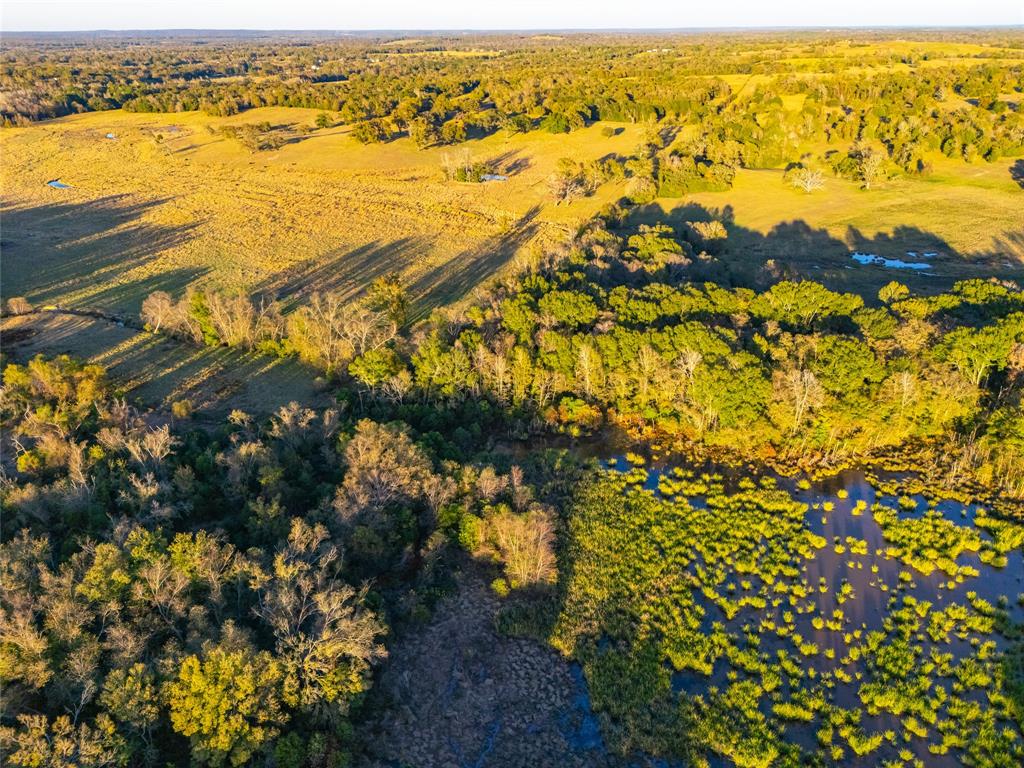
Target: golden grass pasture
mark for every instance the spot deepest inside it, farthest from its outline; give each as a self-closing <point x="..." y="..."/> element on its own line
<point x="971" y="215"/>
<point x="170" y="201"/>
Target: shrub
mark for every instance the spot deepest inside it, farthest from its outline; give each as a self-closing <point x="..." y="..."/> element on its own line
<point x="18" y="305"/>
<point x="181" y="409"/>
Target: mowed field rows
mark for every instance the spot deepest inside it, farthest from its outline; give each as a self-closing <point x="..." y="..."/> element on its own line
<point x="154" y="371"/>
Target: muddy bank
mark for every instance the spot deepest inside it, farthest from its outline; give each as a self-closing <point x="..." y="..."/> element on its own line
<point x="456" y="694"/>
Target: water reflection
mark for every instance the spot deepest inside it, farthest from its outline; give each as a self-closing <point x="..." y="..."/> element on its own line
<point x="840" y="510"/>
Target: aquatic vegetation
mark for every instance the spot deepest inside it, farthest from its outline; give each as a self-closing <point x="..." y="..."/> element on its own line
<point x="723" y="622"/>
<point x="927" y="542"/>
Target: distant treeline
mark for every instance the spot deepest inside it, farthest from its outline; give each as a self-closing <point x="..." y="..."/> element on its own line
<point x="443" y="92"/>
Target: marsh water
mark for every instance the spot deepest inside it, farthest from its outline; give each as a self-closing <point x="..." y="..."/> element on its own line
<point x="833" y="512"/>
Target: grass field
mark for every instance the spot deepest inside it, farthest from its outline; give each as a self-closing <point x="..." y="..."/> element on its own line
<point x="145" y="213"/>
<point x="972" y="216"/>
<point x="170" y="201"/>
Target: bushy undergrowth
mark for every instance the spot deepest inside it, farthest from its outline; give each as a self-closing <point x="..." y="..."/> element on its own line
<point x="219" y="596"/>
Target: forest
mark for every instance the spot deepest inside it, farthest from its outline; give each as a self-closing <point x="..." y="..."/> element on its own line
<point x="760" y="520"/>
<point x="438" y="93"/>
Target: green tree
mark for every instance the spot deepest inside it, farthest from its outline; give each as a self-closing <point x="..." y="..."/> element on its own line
<point x="370" y="132"/>
<point x="803" y="303"/>
<point x="376" y="367"/>
<point x="556" y="122"/>
<point x="519" y="316"/>
<point x="568" y="308"/>
<point x="893" y="291"/>
<point x="977" y="352"/>
<point x="227" y="702"/>
<point x="654" y="243"/>
<point x="130" y="697"/>
<point x="423" y="132"/>
<point x="201" y="319"/>
<point x="387" y="294"/>
<point x="846" y="366"/>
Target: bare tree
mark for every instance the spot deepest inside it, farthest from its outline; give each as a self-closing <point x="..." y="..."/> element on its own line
<point x="290" y="425"/>
<point x="159" y="311"/>
<point x="565" y="187"/>
<point x="329" y="331"/>
<point x="807" y="179"/>
<point x="526" y="545"/>
<point x="452" y="164"/>
<point x="384" y="466"/>
<point x="151" y="447"/>
<point x="800" y="388"/>
<point x="489" y="484"/>
<point x="901" y="388"/>
<point x="240" y="322"/>
<point x="521" y="492"/>
<point x="870" y="166"/>
<point x="687" y="362"/>
<point x="397" y="387"/>
<point x="588" y="368"/>
<point x="319" y="622"/>
<point x="314" y="329"/>
<point x="366" y="329"/>
<point x="165" y="588"/>
<point x="18" y="305"/>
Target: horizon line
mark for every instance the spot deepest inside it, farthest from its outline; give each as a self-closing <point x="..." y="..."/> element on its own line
<point x="534" y="30"/>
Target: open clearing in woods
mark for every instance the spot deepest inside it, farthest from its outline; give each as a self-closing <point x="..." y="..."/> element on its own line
<point x="970" y="215"/>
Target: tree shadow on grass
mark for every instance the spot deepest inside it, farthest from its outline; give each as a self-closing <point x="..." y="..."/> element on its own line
<point x="1006" y="244"/>
<point x="510" y="163"/>
<point x="794" y="249"/>
<point x="453" y="280"/>
<point x="72" y="252"/>
<point x="129" y="295"/>
<point x="1017" y="173"/>
<point x="345" y="271"/>
<point x="155" y="369"/>
<point x="213" y="379"/>
<point x="350" y="272"/>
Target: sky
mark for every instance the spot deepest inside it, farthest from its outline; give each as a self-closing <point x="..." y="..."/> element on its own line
<point x="62" y="15"/>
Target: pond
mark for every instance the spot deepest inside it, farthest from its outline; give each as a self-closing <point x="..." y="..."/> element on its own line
<point x="58" y="184"/>
<point x="885" y="616"/>
<point x="873" y="258"/>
